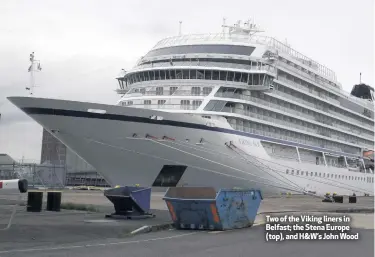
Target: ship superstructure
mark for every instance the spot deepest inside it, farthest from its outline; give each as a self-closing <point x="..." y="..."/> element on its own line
<point x="283" y="114"/>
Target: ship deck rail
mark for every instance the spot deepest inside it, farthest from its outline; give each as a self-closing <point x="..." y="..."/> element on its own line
<point x="238" y="38"/>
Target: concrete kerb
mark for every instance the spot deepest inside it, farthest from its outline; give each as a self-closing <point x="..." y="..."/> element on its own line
<point x="152" y="228"/>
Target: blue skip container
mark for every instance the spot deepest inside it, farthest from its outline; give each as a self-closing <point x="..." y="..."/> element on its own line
<point x="202" y="208"/>
<point x="129" y="201"/>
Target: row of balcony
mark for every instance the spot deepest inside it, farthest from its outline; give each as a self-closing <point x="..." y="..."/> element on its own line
<point x="305" y="89"/>
<point x="285" y="109"/>
<point x="327" y="110"/>
<point x="287" y="124"/>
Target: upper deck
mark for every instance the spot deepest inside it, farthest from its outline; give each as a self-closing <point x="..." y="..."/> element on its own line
<point x="238" y="38"/>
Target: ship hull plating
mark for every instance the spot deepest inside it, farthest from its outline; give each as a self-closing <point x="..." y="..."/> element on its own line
<point x="154" y="148"/>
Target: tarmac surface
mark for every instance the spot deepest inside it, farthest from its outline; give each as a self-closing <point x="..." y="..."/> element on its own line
<point x="271" y="204"/>
<point x="78" y="233"/>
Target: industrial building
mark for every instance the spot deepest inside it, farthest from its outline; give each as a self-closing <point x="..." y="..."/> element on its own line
<point x="78" y="171"/>
<point x="7" y="167"/>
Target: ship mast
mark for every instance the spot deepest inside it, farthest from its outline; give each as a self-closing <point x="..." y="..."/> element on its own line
<point x="34" y="67"/>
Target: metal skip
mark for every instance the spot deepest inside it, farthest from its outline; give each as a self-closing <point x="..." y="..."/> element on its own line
<point x="130" y="202"/>
<point x="202" y="208"/>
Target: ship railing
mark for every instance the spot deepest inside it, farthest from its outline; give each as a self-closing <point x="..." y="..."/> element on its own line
<point x="305" y="89"/>
<point x="280" y="122"/>
<point x="264" y="40"/>
<point x="308" y="76"/>
<point x="341" y="92"/>
<point x="284" y="137"/>
<point x="291" y="98"/>
<point x="285" y="110"/>
<point x="165" y="106"/>
<point x="175" y="93"/>
<point x="195" y="64"/>
<point x="314" y="105"/>
<point x="263" y="102"/>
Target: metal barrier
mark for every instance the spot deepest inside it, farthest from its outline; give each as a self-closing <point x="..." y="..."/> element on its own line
<point x="202" y="208"/>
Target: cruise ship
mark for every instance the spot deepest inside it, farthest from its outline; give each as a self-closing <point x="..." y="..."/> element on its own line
<point x="231" y="109"/>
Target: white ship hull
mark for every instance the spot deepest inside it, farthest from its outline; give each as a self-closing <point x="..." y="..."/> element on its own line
<point x="115" y="144"/>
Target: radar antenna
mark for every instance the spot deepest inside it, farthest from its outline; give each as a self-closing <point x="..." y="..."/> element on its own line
<point x="248" y="28"/>
<point x="34" y="67"/>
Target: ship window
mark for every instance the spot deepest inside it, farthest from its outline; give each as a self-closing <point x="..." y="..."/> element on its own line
<point x="237" y="76"/>
<point x="157" y="75"/>
<point x="223" y="75"/>
<point x="197" y="103"/>
<point x="185" y="74"/>
<point x="244" y="77"/>
<point x="145" y="75"/>
<point x="152" y="75"/>
<point x="207" y="90"/>
<point x="336" y="176"/>
<point x="172" y="90"/>
<point x="256" y="79"/>
<point x="292" y="172"/>
<point x="142" y="91"/>
<point x="167" y="74"/>
<point x="316" y="174"/>
<point x="172" y="74"/>
<point x="161" y="102"/>
<point x="195" y="90"/>
<point x="159" y="91"/>
<point x="297" y="172"/>
<point x="287" y="171"/>
<point x="200" y="74"/>
<point x="207" y="49"/>
<point x="193" y="74"/>
<point x="178" y="74"/>
<point x="230" y="76"/>
<point x="162" y="74"/>
<point x="208" y="75"/>
<point x="185" y="104"/>
<point x="130" y="102"/>
<point x="147" y="102"/>
<point x="302" y="173"/>
<point x="215" y="75"/>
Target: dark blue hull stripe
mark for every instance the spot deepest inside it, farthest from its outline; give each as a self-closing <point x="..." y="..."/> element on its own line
<point x="118" y="117"/>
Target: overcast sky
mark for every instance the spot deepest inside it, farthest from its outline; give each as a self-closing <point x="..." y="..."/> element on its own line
<point x="83" y="45"/>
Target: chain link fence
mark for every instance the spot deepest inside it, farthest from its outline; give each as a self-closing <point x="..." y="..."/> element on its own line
<point x="51" y="176"/>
